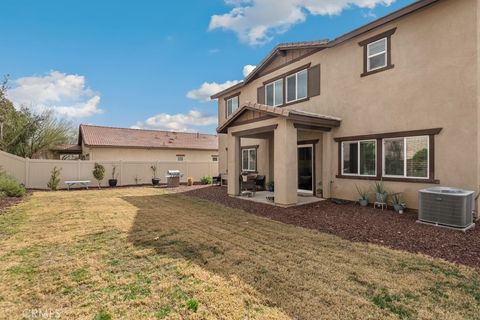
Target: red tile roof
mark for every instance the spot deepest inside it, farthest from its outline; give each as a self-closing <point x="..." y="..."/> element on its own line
<point x="99" y="136"/>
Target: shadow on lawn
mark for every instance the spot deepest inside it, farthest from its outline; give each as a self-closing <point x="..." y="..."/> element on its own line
<point x="306" y="274"/>
<point x="230" y="245"/>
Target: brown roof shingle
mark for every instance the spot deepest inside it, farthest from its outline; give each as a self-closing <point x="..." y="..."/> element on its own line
<point x="99" y="136"/>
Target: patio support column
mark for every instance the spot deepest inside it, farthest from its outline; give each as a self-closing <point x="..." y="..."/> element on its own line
<point x="327" y="155"/>
<point x="285" y="163"/>
<point x="233" y="165"/>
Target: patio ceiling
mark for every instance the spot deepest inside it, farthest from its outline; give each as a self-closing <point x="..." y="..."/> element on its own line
<point x="301" y="119"/>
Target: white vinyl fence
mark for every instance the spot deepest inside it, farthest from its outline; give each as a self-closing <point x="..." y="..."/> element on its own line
<point x="35" y="173"/>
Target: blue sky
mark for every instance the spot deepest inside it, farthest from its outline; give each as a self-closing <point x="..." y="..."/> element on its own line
<point x="142" y="63"/>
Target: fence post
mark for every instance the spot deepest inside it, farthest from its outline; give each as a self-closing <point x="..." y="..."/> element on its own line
<point x="121" y="174"/>
<point x="27" y="173"/>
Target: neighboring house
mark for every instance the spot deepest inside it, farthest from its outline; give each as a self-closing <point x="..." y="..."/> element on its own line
<point x="395" y="100"/>
<point x="107" y="143"/>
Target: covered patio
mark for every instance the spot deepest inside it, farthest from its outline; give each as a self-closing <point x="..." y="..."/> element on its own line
<point x="293" y="153"/>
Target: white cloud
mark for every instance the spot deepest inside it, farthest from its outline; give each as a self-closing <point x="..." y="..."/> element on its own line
<point x="258" y="21"/>
<point x="180" y="122"/>
<point x="65" y="94"/>
<point x="208" y="89"/>
<point x="248" y="69"/>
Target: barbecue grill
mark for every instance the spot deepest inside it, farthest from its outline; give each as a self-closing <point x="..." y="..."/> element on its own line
<point x="173" y="178"/>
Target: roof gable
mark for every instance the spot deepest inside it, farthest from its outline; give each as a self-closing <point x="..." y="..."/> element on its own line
<point x="252" y="112"/>
<point x="315" y="46"/>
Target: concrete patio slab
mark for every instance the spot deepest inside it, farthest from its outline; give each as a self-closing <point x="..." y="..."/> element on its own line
<point x="261" y="197"/>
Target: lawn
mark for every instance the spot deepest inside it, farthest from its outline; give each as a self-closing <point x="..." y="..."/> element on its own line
<point x="141" y="253"/>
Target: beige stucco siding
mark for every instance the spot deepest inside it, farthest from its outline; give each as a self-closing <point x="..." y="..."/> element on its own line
<point x="433" y="84"/>
<point x="137" y="154"/>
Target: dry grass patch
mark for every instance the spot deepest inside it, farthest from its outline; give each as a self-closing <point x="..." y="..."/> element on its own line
<point x="140" y="253"/>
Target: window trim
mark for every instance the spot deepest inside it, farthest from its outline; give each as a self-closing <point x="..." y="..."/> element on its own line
<point x="370" y="56"/>
<point x="431" y="133"/>
<point x="295" y="74"/>
<point x="237" y="95"/>
<point x="365" y="44"/>
<point x="248" y="149"/>
<point x="358" y="160"/>
<point x="284" y="77"/>
<point x="405" y="158"/>
<point x="273" y="86"/>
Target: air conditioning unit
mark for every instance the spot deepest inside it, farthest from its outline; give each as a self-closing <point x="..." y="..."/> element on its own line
<point x="448" y="207"/>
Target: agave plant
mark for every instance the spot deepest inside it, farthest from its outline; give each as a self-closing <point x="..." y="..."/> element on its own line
<point x="363" y="196"/>
<point x="380" y="192"/>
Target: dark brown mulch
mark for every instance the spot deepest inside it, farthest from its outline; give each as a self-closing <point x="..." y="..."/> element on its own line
<point x="6" y="202"/>
<point x="370" y="225"/>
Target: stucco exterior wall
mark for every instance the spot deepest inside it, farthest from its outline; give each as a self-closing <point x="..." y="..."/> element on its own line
<point x="434" y="84"/>
<point x="132" y="154"/>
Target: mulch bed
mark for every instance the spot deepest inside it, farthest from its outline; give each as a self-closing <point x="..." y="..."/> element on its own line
<point x="6" y="202"/>
<point x="355" y="223"/>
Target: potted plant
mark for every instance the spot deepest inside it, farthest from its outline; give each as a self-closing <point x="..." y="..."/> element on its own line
<point x="380" y="192"/>
<point x="98" y="173"/>
<point x="320" y="190"/>
<point x="363" y="196"/>
<point x="113" y="182"/>
<point x="270" y="186"/>
<point x="155" y="180"/>
<point x="397" y="202"/>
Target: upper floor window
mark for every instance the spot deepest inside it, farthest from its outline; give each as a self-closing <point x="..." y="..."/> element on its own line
<point x="274" y="93"/>
<point x="180" y="157"/>
<point x="232" y="105"/>
<point x="297" y="86"/>
<point x="377" y="54"/>
<point x="215" y="158"/>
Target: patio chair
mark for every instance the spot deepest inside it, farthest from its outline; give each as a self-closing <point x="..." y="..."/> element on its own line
<point x="250" y="185"/>
<point x="260" y="182"/>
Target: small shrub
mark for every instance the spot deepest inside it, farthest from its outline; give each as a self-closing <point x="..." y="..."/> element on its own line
<point x="10" y="187"/>
<point x="54" y="179"/>
<point x="192" y="305"/>
<point x="102" y="315"/>
<point x="99" y="173"/>
<point x="206" y="180"/>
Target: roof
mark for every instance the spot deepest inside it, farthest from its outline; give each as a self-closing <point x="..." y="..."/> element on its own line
<point x="100" y="136"/>
<point x="325" y="44"/>
<point x="305" y="117"/>
<point x="67" y="148"/>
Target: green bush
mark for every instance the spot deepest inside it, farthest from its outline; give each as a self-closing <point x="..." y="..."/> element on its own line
<point x="54" y="179"/>
<point x="10" y="187"/>
<point x="98" y="173"/>
<point x="206" y="180"/>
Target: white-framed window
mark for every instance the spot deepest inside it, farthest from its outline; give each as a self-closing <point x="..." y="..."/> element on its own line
<point x="297" y="86"/>
<point x="249" y="159"/>
<point x="359" y="158"/>
<point x="180" y="157"/>
<point x="232" y="105"/>
<point x="377" y="54"/>
<point x="406" y="157"/>
<point x="274" y="93"/>
<point x="215" y="158"/>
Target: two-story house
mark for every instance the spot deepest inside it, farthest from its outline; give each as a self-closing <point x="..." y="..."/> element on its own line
<point x="395" y="100"/>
